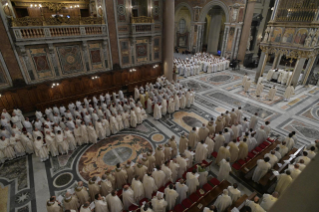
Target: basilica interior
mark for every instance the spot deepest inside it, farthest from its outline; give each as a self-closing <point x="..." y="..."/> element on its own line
<point x="219" y="56"/>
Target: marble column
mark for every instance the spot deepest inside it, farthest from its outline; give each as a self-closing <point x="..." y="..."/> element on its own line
<point x="27" y="62"/>
<point x="297" y="71"/>
<point x="276" y="61"/>
<point x="214" y="32"/>
<point x="312" y="65"/>
<point x="246" y="29"/>
<point x="261" y="65"/>
<point x="237" y="46"/>
<point x="225" y="39"/>
<point x="169" y="16"/>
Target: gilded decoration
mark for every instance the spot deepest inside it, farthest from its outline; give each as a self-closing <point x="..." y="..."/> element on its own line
<point x="142" y="19"/>
<point x="28" y="21"/>
<point x="289" y="53"/>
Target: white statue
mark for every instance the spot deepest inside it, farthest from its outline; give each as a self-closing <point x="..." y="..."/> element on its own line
<point x="308" y="41"/>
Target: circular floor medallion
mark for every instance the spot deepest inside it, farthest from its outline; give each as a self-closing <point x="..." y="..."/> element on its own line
<point x="158" y="138"/>
<point x="62" y="179"/>
<point x="107" y="153"/>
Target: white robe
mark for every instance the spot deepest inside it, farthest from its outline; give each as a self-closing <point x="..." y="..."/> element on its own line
<point x="289" y="92"/>
<point x="222" y="202"/>
<point x="159" y="177"/>
<point x="128" y="198"/>
<point x="101" y="205"/>
<point x="170" y="197"/>
<point x="201" y="152"/>
<point x="149" y="186"/>
<point x="224" y="170"/>
<point x="114" y="202"/>
<point x="159" y="205"/>
<point x="157" y="112"/>
<point x="182" y="190"/>
<point x="272" y="94"/>
<point x="192" y="182"/>
<point x="253" y="122"/>
<point x="261" y="169"/>
<point x="138" y="189"/>
<point x="261" y="136"/>
<point x="234" y="193"/>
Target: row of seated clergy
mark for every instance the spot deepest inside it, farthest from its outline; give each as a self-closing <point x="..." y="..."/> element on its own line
<point x="279" y="75"/>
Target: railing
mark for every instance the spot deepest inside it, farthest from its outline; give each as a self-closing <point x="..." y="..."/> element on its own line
<point x="142" y="19"/>
<point x="55" y="32"/>
<point x="28" y="21"/>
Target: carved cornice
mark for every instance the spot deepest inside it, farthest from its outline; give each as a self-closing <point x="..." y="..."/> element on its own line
<point x="288" y="52"/>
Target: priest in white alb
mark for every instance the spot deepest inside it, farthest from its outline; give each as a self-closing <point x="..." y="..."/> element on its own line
<point x="272" y="93"/>
<point x="234" y="192"/>
<point x="114" y="202"/>
<point x="159" y="203"/>
<point x="170" y="196"/>
<point x="223" y="201"/>
<point x="149" y="185"/>
<point x="262" y="168"/>
<point x="261" y="135"/>
<point x="201" y="152"/>
<point x="192" y="181"/>
<point x="138" y="189"/>
<point x="182" y="190"/>
<point x="128" y="197"/>
<point x="224" y="169"/>
<point x="290" y="91"/>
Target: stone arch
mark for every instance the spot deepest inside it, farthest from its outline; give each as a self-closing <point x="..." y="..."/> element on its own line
<point x="183" y="4"/>
<point x="209" y="6"/>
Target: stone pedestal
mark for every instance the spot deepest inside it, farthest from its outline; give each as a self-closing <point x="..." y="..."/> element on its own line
<point x="168" y="53"/>
<point x="246" y="30"/>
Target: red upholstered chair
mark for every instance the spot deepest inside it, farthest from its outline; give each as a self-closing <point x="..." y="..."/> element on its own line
<point x="214" y="154"/>
<point x="167" y="184"/>
<point x="143" y="200"/>
<point x="236" y="166"/>
<point x="251" y="154"/>
<point x="187" y="203"/>
<point x="266" y="143"/>
<point x="270" y="140"/>
<point x="161" y="189"/>
<point x="207" y="187"/>
<point x="258" y="149"/>
<point x="119" y="193"/>
<point x="134" y="208"/>
<point x="247" y="159"/>
<point x="154" y="194"/>
<point x="194" y="197"/>
<point x="201" y="193"/>
<point x="214" y="181"/>
<point x="178" y="208"/>
<point x="241" y="162"/>
<point x="263" y="146"/>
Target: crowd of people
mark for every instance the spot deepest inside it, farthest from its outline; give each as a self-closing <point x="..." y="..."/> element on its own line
<point x="62" y="129"/>
<point x="200" y="62"/>
<point x="231" y="136"/>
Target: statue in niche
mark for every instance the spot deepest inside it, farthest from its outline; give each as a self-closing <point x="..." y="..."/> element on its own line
<point x="308" y="41"/>
<point x="234" y="15"/>
<point x="314" y="42"/>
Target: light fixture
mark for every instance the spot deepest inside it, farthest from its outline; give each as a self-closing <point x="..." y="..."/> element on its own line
<point x="54" y="85"/>
<point x="0" y="95"/>
<point x="31" y="5"/>
<point x="155" y="66"/>
<point x="71" y="7"/>
<point x="35" y="5"/>
<point x="94" y="77"/>
<point x="100" y="6"/>
<point x="151" y="7"/>
<point x="6" y="4"/>
<point x="272" y="8"/>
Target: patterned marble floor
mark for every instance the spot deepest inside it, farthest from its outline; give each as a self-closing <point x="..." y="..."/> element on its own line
<point x="26" y="183"/>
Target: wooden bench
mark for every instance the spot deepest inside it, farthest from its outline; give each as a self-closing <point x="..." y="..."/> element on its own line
<point x="251" y="197"/>
<point x="209" y="198"/>
<point x="249" y="167"/>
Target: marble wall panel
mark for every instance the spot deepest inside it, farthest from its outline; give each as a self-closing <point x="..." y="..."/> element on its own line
<point x="70" y="59"/>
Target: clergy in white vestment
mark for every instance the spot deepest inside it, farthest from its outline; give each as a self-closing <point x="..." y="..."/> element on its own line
<point x="254" y="205"/>
<point x="173" y="145"/>
<point x="233" y="150"/>
<point x="140" y="169"/>
<point x="203" y="133"/>
<point x="106" y="186"/>
<point x="133" y="118"/>
<point x="170" y="196"/>
<point x="262" y="168"/>
<point x="120" y="176"/>
<point x="174" y="167"/>
<point x="94" y="188"/>
<point x="40" y="149"/>
<point x="259" y="89"/>
<point x="100" y="130"/>
<point x="86" y="207"/>
<point x="146" y="208"/>
<point x="91" y="133"/>
<point x="82" y="193"/>
<point x="193" y="138"/>
<point x="171" y="105"/>
<point x="136" y="93"/>
<point x="70" y="138"/>
<point x="212" y="208"/>
<point x="27" y="125"/>
<point x="164" y="106"/>
<point x="269" y="74"/>
<point x="149" y="185"/>
<point x="53" y="205"/>
<point x="130" y="170"/>
<point x="294" y="171"/>
<point x="284" y="181"/>
<point x="224" y="169"/>
<point x="210" y="144"/>
<point x="183" y="143"/>
<point x="261" y="135"/>
<point x="223" y="153"/>
<point x="114" y="202"/>
<point x="158" y="203"/>
<point x="128" y="197"/>
<point x="182" y="162"/>
<point x="290" y="90"/>
<point x="27" y="141"/>
<point x="227" y="135"/>
<point x="114" y="125"/>
<point x="100" y="204"/>
<point x="223" y="201"/>
<point x="253" y="121"/>
<point x="311" y="152"/>
<point x="272" y="158"/>
<point x="159" y="155"/>
<point x="283" y="150"/>
<point x="182" y="190"/>
<point x="268" y="200"/>
<point x="234" y="192"/>
<point x="192" y="181"/>
<point x="70" y="202"/>
<point x="201" y="169"/>
<point x="159" y="177"/>
<point x="16" y="120"/>
<point x="290" y="141"/>
<point x="16" y="143"/>
<point x="168" y="172"/>
<point x="138" y="188"/>
<point x="272" y="93"/>
<point x="304" y="157"/>
<point x="201" y="152"/>
<point x="219" y="141"/>
<point x="243" y="149"/>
